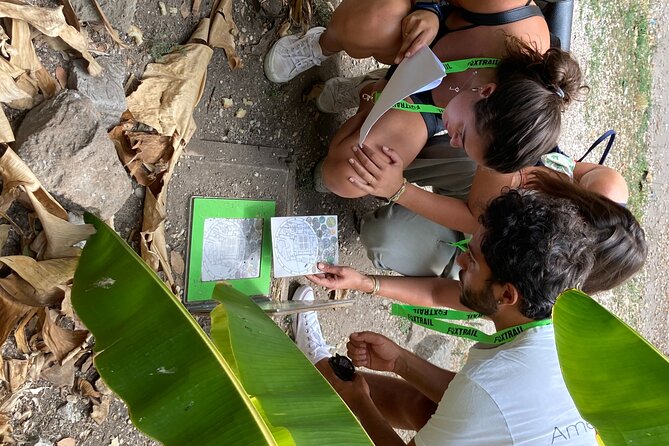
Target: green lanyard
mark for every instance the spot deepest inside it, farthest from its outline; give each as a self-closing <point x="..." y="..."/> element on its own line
<point x="454" y="66"/>
<point x="432" y="318"/>
<point x="458" y="66"/>
<point x="462" y="245"/>
<point x="408" y="106"/>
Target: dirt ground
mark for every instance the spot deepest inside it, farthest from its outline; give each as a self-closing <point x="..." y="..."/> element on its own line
<point x="278" y="116"/>
<point x="655" y="325"/>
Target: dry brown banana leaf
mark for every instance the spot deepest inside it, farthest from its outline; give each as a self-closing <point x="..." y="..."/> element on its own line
<point x="11" y="312"/>
<point x="70" y="15"/>
<point x="300" y="13"/>
<point x="170" y="91"/>
<point x="61" y="235"/>
<point x="108" y="26"/>
<point x="51" y="22"/>
<point x="16" y="178"/>
<point x="6" y="133"/>
<point x="223" y="30"/>
<point x="60" y="341"/>
<point x="16" y="373"/>
<point x="38" y="284"/>
<point x="20" y="332"/>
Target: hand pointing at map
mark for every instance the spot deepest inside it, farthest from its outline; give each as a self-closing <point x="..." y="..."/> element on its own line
<point x="341" y="277"/>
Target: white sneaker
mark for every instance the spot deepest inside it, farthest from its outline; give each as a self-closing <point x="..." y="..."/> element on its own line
<point x="341" y="93"/>
<point x="307" y="329"/>
<point x="292" y="55"/>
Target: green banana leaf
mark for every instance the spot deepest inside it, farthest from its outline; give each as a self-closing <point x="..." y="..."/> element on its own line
<point x="277" y="373"/>
<point x="618" y="381"/>
<point x="179" y="388"/>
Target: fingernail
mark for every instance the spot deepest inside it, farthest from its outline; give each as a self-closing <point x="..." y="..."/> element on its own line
<point x="351" y="179"/>
<point x="320" y="265"/>
<point x="385" y="149"/>
<point x="350" y="160"/>
<point x="355" y="148"/>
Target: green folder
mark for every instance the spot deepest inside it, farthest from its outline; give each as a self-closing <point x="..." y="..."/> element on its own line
<point x="203" y="208"/>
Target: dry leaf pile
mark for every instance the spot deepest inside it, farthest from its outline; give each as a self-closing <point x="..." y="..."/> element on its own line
<point x="24" y="82"/>
<point x="165" y="100"/>
<point x="35" y="288"/>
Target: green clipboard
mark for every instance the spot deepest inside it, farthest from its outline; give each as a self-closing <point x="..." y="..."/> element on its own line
<point x="202" y="208"/>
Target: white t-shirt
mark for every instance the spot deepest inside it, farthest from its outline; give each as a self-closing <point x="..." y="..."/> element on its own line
<point x="512" y="394"/>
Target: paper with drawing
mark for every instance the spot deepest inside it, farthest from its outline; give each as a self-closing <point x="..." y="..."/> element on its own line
<point x="423" y="71"/>
<point x="298" y="243"/>
<point x="231" y="248"/>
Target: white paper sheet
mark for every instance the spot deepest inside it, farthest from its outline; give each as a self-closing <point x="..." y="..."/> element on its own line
<point x="423" y="71"/>
<point x="298" y="243"/>
<point x="231" y="248"/>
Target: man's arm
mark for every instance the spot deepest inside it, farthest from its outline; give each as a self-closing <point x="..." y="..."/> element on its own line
<point x="431" y="380"/>
<point x="376" y="426"/>
<point x="422" y="291"/>
<point x="377" y="352"/>
<point x="356" y="395"/>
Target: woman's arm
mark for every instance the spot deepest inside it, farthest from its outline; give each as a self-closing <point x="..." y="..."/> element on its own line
<point x="602" y="180"/>
<point x="453" y="213"/>
<point x="380" y="174"/>
<point x="446" y="211"/>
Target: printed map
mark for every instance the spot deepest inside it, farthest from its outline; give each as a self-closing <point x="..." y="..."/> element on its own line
<point x="231" y="248"/>
<point x="298" y="243"/>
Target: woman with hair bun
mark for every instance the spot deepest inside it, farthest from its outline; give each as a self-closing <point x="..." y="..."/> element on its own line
<point x="520" y="120"/>
<point x="520" y="124"/>
<point x="503" y="126"/>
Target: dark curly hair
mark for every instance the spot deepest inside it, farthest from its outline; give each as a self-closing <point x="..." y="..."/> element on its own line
<point x="620" y="246"/>
<point x="521" y="118"/>
<point x="538" y="243"/>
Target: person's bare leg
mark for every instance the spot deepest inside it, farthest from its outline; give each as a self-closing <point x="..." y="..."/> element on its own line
<point x="362" y="28"/>
<point x="366" y="28"/>
<point x="406" y="409"/>
<point x="402" y="131"/>
<point x="402" y="405"/>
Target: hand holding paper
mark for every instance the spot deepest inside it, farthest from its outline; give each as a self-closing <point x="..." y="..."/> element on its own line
<point x="419" y="73"/>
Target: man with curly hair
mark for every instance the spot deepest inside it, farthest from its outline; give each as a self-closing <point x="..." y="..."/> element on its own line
<point x="530" y="247"/>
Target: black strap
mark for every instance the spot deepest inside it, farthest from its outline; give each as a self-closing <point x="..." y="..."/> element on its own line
<point x="501" y="18"/>
<point x="611" y="135"/>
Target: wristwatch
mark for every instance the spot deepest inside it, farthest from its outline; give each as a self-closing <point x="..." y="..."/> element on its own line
<point x="429" y="6"/>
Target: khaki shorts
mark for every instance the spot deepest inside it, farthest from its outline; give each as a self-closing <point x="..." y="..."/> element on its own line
<point x="400" y="240"/>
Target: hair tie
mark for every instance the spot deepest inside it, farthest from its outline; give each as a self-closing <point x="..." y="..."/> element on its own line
<point x="559" y="92"/>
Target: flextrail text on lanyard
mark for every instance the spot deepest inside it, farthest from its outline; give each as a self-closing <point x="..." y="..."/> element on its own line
<point x="453" y="66"/>
<point x="435" y="319"/>
<point x="458" y="66"/>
